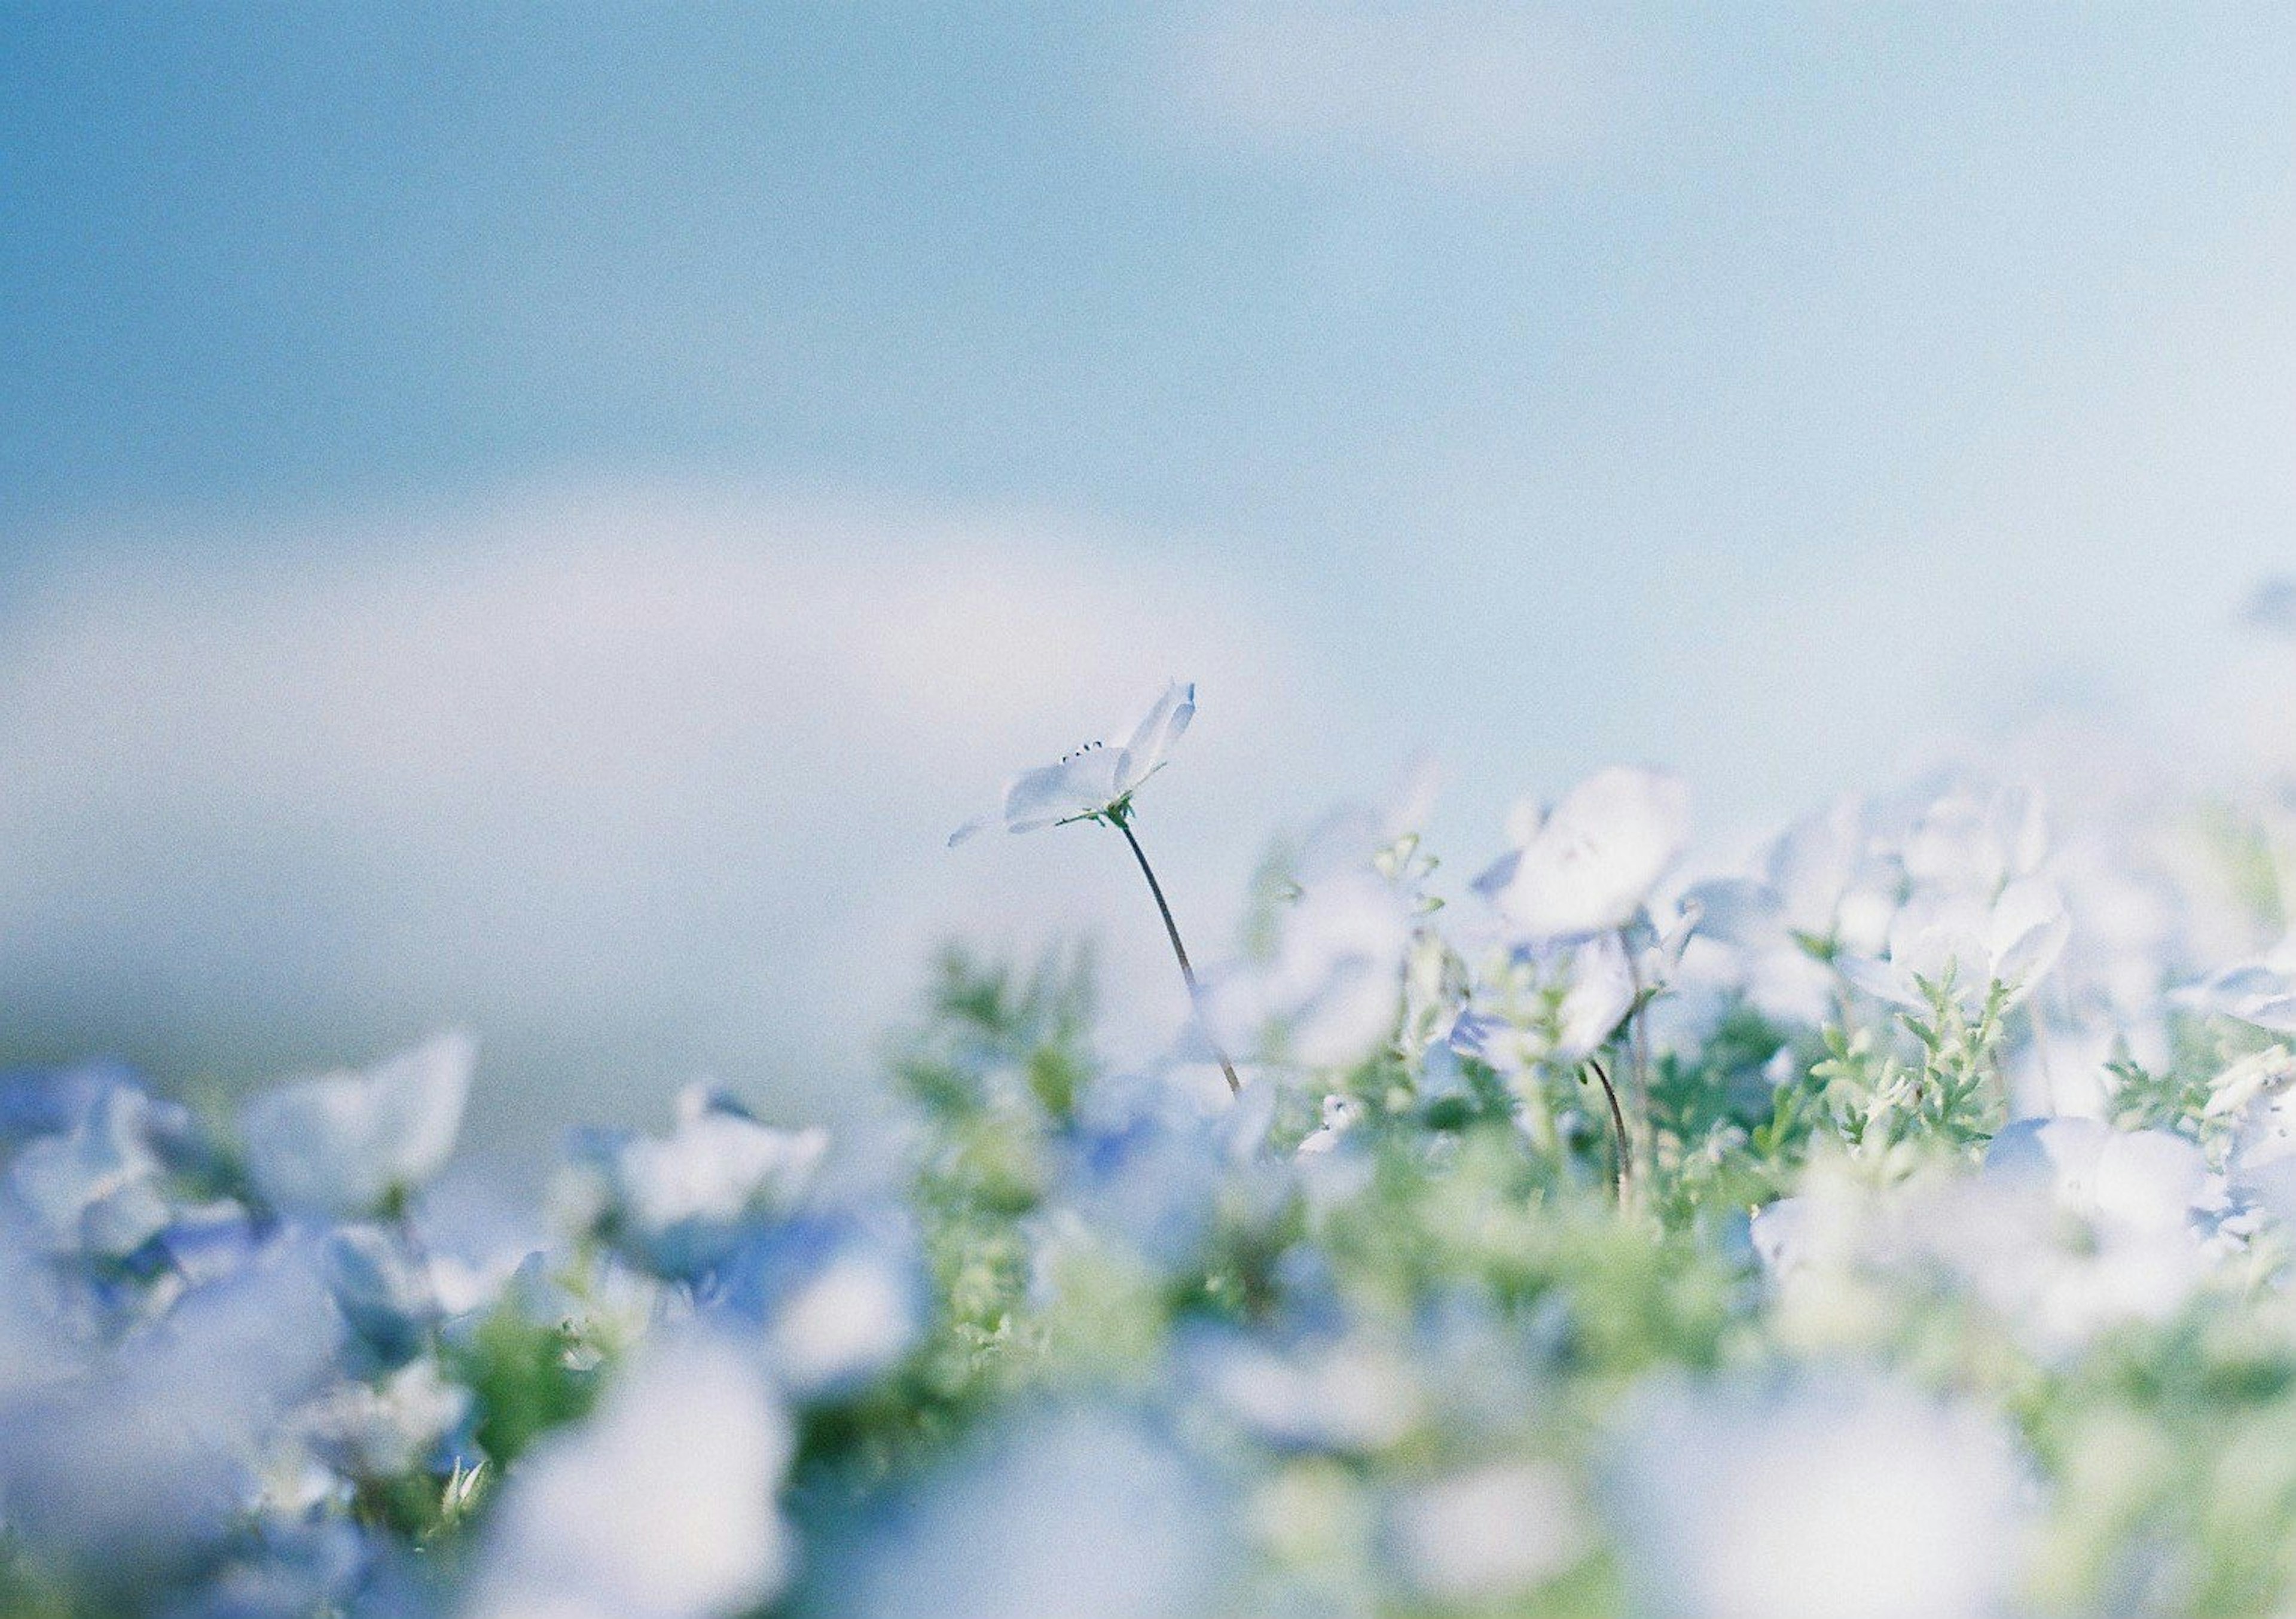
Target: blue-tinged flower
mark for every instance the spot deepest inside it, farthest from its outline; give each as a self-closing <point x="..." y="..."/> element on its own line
<point x="1841" y="1497"/>
<point x="1487" y="1533"/>
<point x="387" y="1429"/>
<point x="1149" y="1167"/>
<point x="352" y="1143"/>
<point x="1821" y="890"/>
<point x="660" y="1506"/>
<point x="208" y="1241"/>
<point x="131" y="1475"/>
<point x="1332" y="989"/>
<point x="1083" y="1512"/>
<point x="99" y="1189"/>
<point x="1098" y="778"/>
<point x="291" y="1569"/>
<point x="2261" y="993"/>
<point x="51" y="1101"/>
<point x="2011" y="940"/>
<point x="1348" y="1393"/>
<point x="384" y="1289"/>
<point x="681" y="1203"/>
<point x="836" y="1299"/>
<point x="1587" y="865"/>
<point x="1548" y="1005"/>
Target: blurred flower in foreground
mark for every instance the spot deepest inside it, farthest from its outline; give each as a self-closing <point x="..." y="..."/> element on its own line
<point x="1547" y="1004"/>
<point x="660" y="1508"/>
<point x="1085" y="1511"/>
<point x="1841" y="1497"/>
<point x="1490" y="1532"/>
<point x="1587" y="865"/>
<point x="353" y="1144"/>
<point x="1098" y="778"/>
<point x="678" y="1203"/>
<point x="839" y="1299"/>
<point x="97" y="1189"/>
<point x="2261" y="992"/>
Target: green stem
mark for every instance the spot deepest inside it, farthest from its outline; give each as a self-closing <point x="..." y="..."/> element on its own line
<point x="1123" y="823"/>
<point x="1618" y="1131"/>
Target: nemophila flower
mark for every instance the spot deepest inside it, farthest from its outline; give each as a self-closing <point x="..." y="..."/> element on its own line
<point x="1085" y="1510"/>
<point x="1820" y="890"/>
<point x="1327" y="986"/>
<point x="1487" y="1533"/>
<point x="2261" y="992"/>
<point x="1330" y="991"/>
<point x="2145" y="1179"/>
<point x="1587" y="865"/>
<point x="1339" y="1115"/>
<point x="836" y="1299"/>
<point x="98" y="1190"/>
<point x="387" y="1429"/>
<point x="1971" y="839"/>
<point x="128" y="1476"/>
<point x="660" y="1506"/>
<point x="355" y="1143"/>
<point x="679" y="1204"/>
<point x="1839" y="1497"/>
<point x="1972" y="944"/>
<point x="383" y="1287"/>
<point x="52" y="1101"/>
<point x="1549" y="1005"/>
<point x="1097" y="781"/>
<point x="1345" y="1394"/>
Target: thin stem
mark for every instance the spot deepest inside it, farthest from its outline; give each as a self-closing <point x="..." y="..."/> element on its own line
<point x="1123" y="823"/>
<point x="1637" y="1037"/>
<point x="1617" y="1129"/>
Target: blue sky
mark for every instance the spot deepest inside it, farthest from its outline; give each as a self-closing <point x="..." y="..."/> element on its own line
<point x="1773" y="391"/>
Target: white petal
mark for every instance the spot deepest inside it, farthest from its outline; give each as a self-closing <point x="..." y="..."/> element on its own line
<point x="1594" y="861"/>
<point x="1076" y="786"/>
<point x="1151" y="740"/>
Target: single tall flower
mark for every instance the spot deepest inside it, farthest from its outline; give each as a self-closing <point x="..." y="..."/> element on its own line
<point x="1096" y="783"/>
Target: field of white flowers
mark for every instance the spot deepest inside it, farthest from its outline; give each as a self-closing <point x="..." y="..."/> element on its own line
<point x="1899" y="1226"/>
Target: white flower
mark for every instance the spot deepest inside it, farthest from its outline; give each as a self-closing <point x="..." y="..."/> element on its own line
<point x="97" y="1189"/>
<point x="1074" y="1511"/>
<point x="2261" y="992"/>
<point x="1587" y="865"/>
<point x="2139" y="1180"/>
<point x="1820" y="891"/>
<point x="1487" y="1532"/>
<point x="1839" y="1499"/>
<point x="1969" y="842"/>
<point x="677" y="1202"/>
<point x="346" y="1144"/>
<point x="1350" y="1394"/>
<point x="1332" y="990"/>
<point x="383" y="1430"/>
<point x="1339" y="1115"/>
<point x="2013" y="941"/>
<point x="660" y="1506"/>
<point x="1098" y="778"/>
<point x="1551" y="1003"/>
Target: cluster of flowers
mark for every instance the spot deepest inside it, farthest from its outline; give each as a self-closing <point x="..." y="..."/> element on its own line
<point x="1901" y="1227"/>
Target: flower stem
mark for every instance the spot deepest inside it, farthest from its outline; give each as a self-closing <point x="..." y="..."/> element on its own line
<point x="1637" y="1047"/>
<point x="1618" y="1131"/>
<point x="1123" y="823"/>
